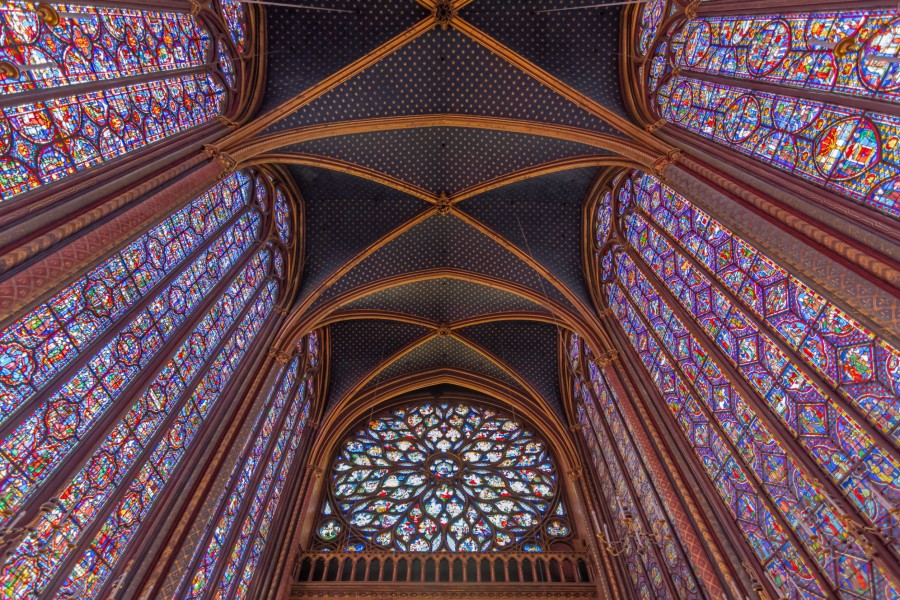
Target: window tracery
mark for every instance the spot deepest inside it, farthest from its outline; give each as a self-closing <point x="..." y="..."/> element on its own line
<point x="443" y="476"/>
<point x="183" y="303"/>
<point x="740" y="81"/>
<point x="691" y="292"/>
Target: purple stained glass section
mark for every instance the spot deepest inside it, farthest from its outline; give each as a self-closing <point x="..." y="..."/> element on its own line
<point x="40" y="344"/>
<point x="161" y="422"/>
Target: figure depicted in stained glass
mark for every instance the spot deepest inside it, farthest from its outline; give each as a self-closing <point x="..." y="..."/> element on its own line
<point x="443" y="476"/>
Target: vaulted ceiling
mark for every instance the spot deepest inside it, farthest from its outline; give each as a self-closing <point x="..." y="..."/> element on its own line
<point x="443" y="173"/>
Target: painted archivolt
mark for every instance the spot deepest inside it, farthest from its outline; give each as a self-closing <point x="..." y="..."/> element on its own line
<point x="629" y="490"/>
<point x="232" y="546"/>
<point x="755" y="366"/>
<point x="741" y="81"/>
<point x="443" y="476"/>
<point x="119" y="79"/>
<point x="107" y="384"/>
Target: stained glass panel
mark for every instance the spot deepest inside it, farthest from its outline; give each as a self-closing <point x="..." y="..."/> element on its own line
<point x="119" y="528"/>
<point x="37" y="446"/>
<point x="236" y="19"/>
<point x="643" y="568"/>
<point x="762" y="531"/>
<point x="863" y="368"/>
<point x="44" y="141"/>
<point x="154" y="421"/>
<point x="95" y="44"/>
<point x="443" y="477"/>
<point x="44" y="341"/>
<point x="850" y="151"/>
<point x="282" y="216"/>
<point x="849" y="52"/>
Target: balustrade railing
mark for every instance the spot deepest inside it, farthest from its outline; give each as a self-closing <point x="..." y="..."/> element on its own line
<point x="395" y="567"/>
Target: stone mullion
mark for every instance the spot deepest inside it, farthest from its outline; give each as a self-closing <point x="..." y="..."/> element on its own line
<point x="231" y="538"/>
<point x="658" y="412"/>
<point x="672" y="507"/>
<point x="595" y="501"/>
<point x="227" y="490"/>
<point x="156" y="517"/>
<point x="883" y="440"/>
<point x="89" y="351"/>
<point x="611" y="517"/>
<point x="86" y="535"/>
<point x="879" y="552"/>
<point x="635" y="498"/>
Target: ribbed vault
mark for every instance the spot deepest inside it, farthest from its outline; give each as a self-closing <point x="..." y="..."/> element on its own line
<point x="443" y="218"/>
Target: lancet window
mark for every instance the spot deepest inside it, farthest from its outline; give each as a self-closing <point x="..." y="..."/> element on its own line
<point x="810" y="93"/>
<point x="640" y="527"/>
<point x="226" y="558"/>
<point x="107" y="387"/>
<point x="81" y="85"/>
<point x="443" y="476"/>
<point x="788" y="402"/>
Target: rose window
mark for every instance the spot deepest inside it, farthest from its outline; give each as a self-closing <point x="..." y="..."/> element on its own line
<point x="447" y="476"/>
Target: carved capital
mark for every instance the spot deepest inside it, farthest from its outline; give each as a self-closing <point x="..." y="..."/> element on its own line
<point x="607" y="357"/>
<point x="280" y="356"/>
<point x="690" y="11"/>
<point x="660" y="164"/>
<point x="227" y="162"/>
<point x="227" y="122"/>
<point x="47" y="14"/>
<point x="654" y="126"/>
<point x="576" y="473"/>
<point x="444" y="13"/>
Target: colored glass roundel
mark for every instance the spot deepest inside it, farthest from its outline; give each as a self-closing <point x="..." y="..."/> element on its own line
<point x="447" y="476"/>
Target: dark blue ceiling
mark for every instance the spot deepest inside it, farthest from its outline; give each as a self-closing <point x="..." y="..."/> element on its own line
<point x="442" y="72"/>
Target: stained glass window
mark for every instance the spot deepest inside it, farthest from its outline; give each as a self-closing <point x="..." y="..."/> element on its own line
<point x="94" y="44"/>
<point x="256" y="481"/>
<point x="236" y="19"/>
<point x="43" y="140"/>
<point x="183" y="304"/>
<point x="851" y="151"/>
<point x="792" y="348"/>
<point x="851" y="52"/>
<point x="630" y="492"/>
<point x="443" y="476"/>
<point x="282" y="216"/>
